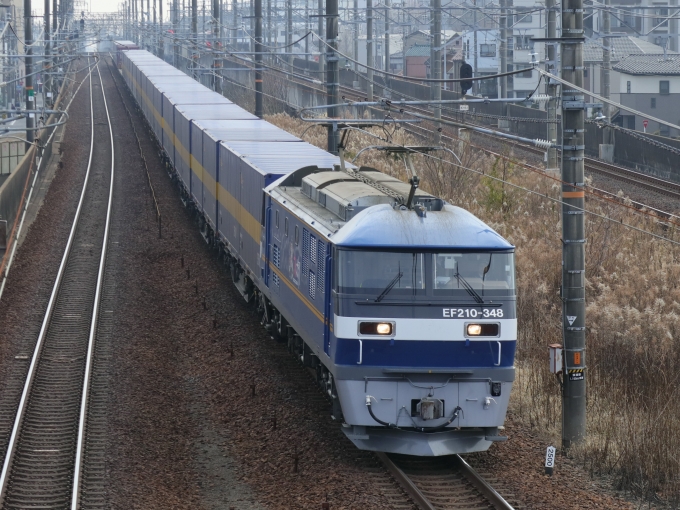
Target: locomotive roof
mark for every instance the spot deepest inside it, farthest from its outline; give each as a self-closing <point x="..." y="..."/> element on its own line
<point x="368" y="212"/>
<point x="383" y="226"/>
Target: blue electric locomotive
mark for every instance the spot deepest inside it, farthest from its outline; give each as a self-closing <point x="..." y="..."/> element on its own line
<point x="402" y="303"/>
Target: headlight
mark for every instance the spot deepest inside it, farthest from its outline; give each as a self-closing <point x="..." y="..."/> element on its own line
<point x="482" y="329"/>
<point x="376" y="328"/>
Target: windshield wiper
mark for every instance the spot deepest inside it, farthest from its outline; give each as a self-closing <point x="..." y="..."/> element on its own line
<point x="389" y="287"/>
<point x="468" y="288"/>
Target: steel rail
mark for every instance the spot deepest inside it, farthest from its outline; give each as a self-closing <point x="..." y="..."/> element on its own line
<point x="482" y="485"/>
<point x="95" y="316"/>
<point x="406" y="483"/>
<point x="661" y="186"/>
<point x="40" y="344"/>
<point x="475" y="479"/>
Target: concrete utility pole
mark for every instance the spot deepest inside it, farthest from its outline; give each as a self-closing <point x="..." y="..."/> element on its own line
<point x="369" y="51"/>
<point x="175" y="29"/>
<point x="289" y="31"/>
<point x="387" y="38"/>
<point x="55" y="19"/>
<point x="551" y="87"/>
<point x="356" y="36"/>
<point x="30" y="96"/>
<point x="333" y="72"/>
<point x="194" y="36"/>
<point x="235" y="7"/>
<point x="46" y="66"/>
<point x="306" y="29"/>
<point x="161" y="40"/>
<point x="475" y="53"/>
<point x="258" y="59"/>
<point x="502" y="48"/>
<point x="435" y="65"/>
<point x="146" y="28"/>
<point x="322" y="46"/>
<point x="573" y="227"/>
<point x="606" y="152"/>
<point x="217" y="60"/>
<point x="269" y="23"/>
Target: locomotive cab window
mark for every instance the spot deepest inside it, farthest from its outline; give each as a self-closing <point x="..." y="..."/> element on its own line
<point x="382" y="275"/>
<point x="285" y="227"/>
<point x="379" y="273"/>
<point x="482" y="273"/>
<point x="277" y="219"/>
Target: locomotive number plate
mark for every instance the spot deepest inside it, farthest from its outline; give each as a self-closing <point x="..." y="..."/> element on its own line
<point x="472" y="313"/>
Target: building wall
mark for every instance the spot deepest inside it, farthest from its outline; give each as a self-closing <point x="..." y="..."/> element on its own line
<point x="415" y="67"/>
<point x="647" y="84"/>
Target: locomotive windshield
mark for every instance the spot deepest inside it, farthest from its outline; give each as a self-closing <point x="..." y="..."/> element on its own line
<point x="385" y="274"/>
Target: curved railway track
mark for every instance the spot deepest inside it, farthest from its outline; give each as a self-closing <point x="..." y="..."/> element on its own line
<point x="443" y="483"/>
<point x="43" y="461"/>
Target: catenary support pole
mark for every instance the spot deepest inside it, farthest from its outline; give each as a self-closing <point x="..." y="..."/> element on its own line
<point x="369" y="51"/>
<point x="606" y="68"/>
<point x="551" y="87"/>
<point x="386" y="53"/>
<point x="289" y="31"/>
<point x="502" y="49"/>
<point x="436" y="64"/>
<point x="161" y="38"/>
<point x="30" y="95"/>
<point x="573" y="228"/>
<point x="322" y="46"/>
<point x="258" y="59"/>
<point x="356" y="35"/>
<point x="475" y="52"/>
<point x="332" y="72"/>
<point x="47" y="82"/>
<point x="194" y="36"/>
<point x="175" y="35"/>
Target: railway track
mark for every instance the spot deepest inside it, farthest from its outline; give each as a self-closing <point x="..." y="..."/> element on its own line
<point x="651" y="183"/>
<point x="43" y="464"/>
<point x="443" y="483"/>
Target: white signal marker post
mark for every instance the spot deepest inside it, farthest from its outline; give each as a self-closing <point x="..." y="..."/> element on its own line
<point x="549" y="460"/>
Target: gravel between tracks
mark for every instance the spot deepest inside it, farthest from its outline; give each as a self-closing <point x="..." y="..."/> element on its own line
<point x="185" y="430"/>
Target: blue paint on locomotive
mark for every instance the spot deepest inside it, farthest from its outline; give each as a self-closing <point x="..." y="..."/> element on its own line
<point x="451" y="228"/>
<point x="426" y="354"/>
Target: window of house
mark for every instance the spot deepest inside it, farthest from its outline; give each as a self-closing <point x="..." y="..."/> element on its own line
<point x="664" y="130"/>
<point x="627" y="87"/>
<point x="653" y="105"/>
<point x="664" y="87"/>
<point x="662" y="20"/>
<point x="523" y="15"/>
<point x="585" y="73"/>
<point x="522" y="42"/>
<point x="487" y="50"/>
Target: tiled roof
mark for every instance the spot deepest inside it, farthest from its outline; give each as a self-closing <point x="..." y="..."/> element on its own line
<point x="650" y="65"/>
<point x="418" y="50"/>
<point x="621" y="48"/>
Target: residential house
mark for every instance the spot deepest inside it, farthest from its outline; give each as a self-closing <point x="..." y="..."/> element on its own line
<point x="650" y="84"/>
<point x="621" y="47"/>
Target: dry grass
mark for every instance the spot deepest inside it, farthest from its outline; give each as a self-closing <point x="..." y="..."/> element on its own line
<point x="633" y="312"/>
